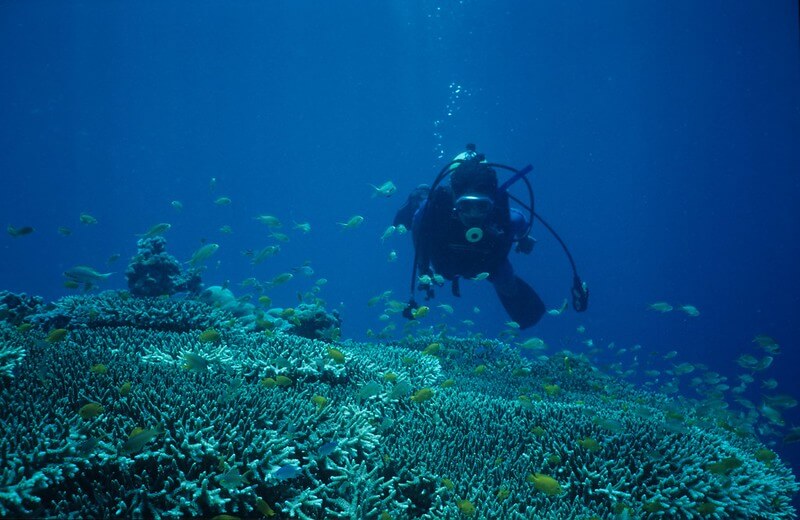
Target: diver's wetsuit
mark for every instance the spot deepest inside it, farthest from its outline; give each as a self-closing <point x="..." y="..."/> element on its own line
<point x="440" y="240"/>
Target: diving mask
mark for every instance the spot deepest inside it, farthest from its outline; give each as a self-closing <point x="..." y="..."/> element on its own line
<point x="474" y="208"/>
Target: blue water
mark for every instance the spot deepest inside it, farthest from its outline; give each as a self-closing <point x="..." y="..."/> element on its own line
<point x="664" y="139"/>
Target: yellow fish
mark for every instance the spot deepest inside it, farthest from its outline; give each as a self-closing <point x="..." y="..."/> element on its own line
<point x="158" y="229"/>
<point x="90" y="410"/>
<point x="386" y="189"/>
<point x="422" y="395"/>
<point x="353" y="223"/>
<point x="420" y="312"/>
<point x="56" y="335"/>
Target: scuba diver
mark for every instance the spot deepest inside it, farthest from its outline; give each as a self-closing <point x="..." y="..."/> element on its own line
<point x="467" y="229"/>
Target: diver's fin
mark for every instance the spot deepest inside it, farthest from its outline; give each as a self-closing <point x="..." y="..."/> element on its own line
<point x="522" y="304"/>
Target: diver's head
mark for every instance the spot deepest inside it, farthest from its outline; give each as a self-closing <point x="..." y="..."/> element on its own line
<point x="474" y="185"/>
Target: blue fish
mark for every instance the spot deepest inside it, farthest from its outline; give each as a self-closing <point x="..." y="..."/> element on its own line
<point x="286" y="472"/>
<point x="328" y="448"/>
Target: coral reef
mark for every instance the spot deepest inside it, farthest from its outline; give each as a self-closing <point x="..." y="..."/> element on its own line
<point x="154" y="272"/>
<point x="314" y="322"/>
<point x="120" y="309"/>
<point x="119" y="418"/>
<point x="14" y="308"/>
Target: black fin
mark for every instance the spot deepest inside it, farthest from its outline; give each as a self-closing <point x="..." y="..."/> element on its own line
<point x="522" y="304"/>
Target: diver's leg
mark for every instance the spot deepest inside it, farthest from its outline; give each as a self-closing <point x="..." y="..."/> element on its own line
<point x="519" y="299"/>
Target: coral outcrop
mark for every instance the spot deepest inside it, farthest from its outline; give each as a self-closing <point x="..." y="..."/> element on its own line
<point x="154" y="272"/>
<point x="129" y="416"/>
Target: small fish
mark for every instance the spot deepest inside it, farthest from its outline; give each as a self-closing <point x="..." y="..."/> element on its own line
<point x="769" y="384"/>
<point x="420" y="312"/>
<point x="87" y="219"/>
<point x="370" y="389"/>
<point x="125" y="389"/>
<point x="336" y="355"/>
<point x="264" y="508"/>
<point x="90" y="411"/>
<point x="327" y="448"/>
<point x="660" y="307"/>
<point x="559" y="310"/>
<point x="671" y="354"/>
<point x="265" y="253"/>
<point x="113" y="258"/>
<point x="422" y="395"/>
<point x="222" y="201"/>
<point x="388" y="232"/>
<point x="56" y="335"/>
<point x="226" y="229"/>
<point x="533" y="344"/>
<point x="203" y="254"/>
<point x="281" y="279"/>
<point x="683" y="368"/>
<point x="303" y="227"/>
<point x="64" y="231"/>
<point x="209" y="336"/>
<point x="85" y="275"/>
<point x="392" y="256"/>
<point x="512" y="324"/>
<point x="432" y="349"/>
<point x="269" y="221"/>
<point x="400" y="390"/>
<point x="283" y="381"/>
<point x="158" y="229"/>
<point x="792" y="436"/>
<point x="319" y="401"/>
<point x="231" y="479"/>
<point x="353" y="223"/>
<point x="446" y="308"/>
<point x="177" y="205"/>
<point x="19" y="231"/>
<point x="691" y="310"/>
<point x="544" y="483"/>
<point x="401" y="229"/>
<point x="286" y="472"/>
<point x="480" y="276"/>
<point x="195" y="362"/>
<point x="280" y="237"/>
<point x="589" y="444"/>
<point x="767" y="343"/>
<point x="138" y="439"/>
<point x="466" y="507"/>
<point x="99" y="369"/>
<point x="386" y="189"/>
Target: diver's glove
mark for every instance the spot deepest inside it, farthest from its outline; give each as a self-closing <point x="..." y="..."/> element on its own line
<point x="408" y="312"/>
<point x="580" y="294"/>
<point x="428" y="288"/>
<point x="525" y="245"/>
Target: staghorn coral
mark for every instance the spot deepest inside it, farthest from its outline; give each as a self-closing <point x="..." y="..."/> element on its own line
<point x="350" y="457"/>
<point x="119" y="309"/>
<point x="14" y="308"/>
<point x="12" y="353"/>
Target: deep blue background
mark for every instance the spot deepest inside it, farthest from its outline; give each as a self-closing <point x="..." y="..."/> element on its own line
<point x="664" y="138"/>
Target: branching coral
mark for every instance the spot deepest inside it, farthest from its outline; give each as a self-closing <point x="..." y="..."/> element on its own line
<point x="275" y="420"/>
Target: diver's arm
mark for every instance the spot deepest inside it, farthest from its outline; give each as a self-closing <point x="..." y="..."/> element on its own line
<point x="422" y="231"/>
<point x="519" y="224"/>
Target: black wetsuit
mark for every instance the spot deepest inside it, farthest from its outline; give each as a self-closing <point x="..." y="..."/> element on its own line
<point x="440" y="239"/>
